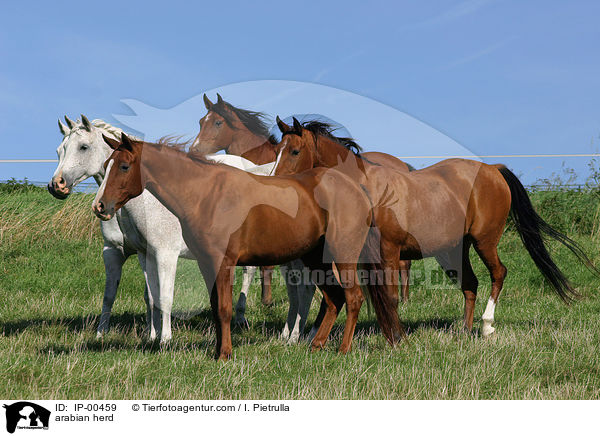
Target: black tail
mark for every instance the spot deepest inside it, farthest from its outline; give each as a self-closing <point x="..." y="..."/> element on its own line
<point x="532" y="228"/>
<point x="385" y="305"/>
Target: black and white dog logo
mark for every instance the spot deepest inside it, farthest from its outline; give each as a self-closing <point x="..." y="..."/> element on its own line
<point x="26" y="415"/>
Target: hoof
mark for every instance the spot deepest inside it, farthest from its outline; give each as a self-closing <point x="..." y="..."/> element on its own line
<point x="487" y="330"/>
<point x="293" y="339"/>
<point x="99" y="335"/>
<point x="312" y="334"/>
<point x="316" y="347"/>
<point x="242" y="323"/>
<point x="267" y="301"/>
<point x="223" y="357"/>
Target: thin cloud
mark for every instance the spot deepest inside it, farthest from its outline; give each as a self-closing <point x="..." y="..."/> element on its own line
<point x="343" y="60"/>
<point x="460" y="10"/>
<point x="479" y="54"/>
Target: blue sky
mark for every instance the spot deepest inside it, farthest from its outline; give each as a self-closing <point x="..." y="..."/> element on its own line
<point x="495" y="76"/>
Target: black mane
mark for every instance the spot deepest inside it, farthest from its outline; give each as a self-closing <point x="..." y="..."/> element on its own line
<point x="326" y="130"/>
<point x="256" y="122"/>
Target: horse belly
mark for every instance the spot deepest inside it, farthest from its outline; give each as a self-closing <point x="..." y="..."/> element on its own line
<point x="273" y="242"/>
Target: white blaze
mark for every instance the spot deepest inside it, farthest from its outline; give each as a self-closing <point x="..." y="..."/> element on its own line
<point x="100" y="192"/>
<point x="277" y="161"/>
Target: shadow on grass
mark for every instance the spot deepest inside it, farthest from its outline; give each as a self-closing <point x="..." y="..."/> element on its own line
<point x="120" y="322"/>
<point x="129" y="333"/>
<point x="116" y="344"/>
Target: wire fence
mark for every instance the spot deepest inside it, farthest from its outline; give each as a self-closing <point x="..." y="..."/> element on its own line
<point x="89" y="187"/>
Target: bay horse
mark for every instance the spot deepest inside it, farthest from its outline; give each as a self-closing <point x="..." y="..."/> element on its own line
<point x="242" y="133"/>
<point x="438" y="211"/>
<point x="229" y="217"/>
<point x="82" y="153"/>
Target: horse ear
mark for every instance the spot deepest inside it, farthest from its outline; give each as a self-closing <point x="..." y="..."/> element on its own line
<point x="283" y="127"/>
<point x="112" y="143"/>
<point x="86" y="123"/>
<point x="63" y="129"/>
<point x="297" y="126"/>
<point x="219" y="99"/>
<point x="207" y="103"/>
<point x="127" y="143"/>
<point x="70" y="123"/>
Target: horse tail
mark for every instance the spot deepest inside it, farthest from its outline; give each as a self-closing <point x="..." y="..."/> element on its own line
<point x="532" y="229"/>
<point x="385" y="305"/>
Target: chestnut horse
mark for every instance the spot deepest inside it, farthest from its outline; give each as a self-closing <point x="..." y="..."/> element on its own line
<point x="245" y="133"/>
<point x="438" y="211"/>
<point x="229" y="217"/>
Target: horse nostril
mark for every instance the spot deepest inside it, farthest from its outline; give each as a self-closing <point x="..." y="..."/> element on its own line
<point x="62" y="183"/>
<point x="100" y="206"/>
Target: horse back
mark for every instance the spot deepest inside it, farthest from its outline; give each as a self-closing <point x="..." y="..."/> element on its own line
<point x="386" y="160"/>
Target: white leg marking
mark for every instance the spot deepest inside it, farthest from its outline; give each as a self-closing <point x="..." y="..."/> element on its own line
<point x="240" y="307"/>
<point x="488" y="318"/>
<point x="295" y="335"/>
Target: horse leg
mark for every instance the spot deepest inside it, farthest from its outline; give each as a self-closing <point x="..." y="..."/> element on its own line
<point x="318" y="320"/>
<point x="305" y="296"/>
<point x="390" y="256"/>
<point x="289" y="272"/>
<point x="221" y="303"/>
<point x="354" y="299"/>
<point x="488" y="252"/>
<point x="301" y="295"/>
<point x="457" y="266"/>
<point x="405" y="279"/>
<point x="334" y="300"/>
<point x="266" y="274"/>
<point x="152" y="314"/>
<point x="240" y="307"/>
<point x="113" y="265"/>
<point x="166" y="265"/>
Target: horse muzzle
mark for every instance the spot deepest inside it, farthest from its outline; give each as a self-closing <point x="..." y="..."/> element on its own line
<point x="103" y="212"/>
<point x="58" y="192"/>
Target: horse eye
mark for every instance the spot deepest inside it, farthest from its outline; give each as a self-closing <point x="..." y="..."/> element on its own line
<point x="295" y="152"/>
<point x="124" y="167"/>
<point x="218" y="123"/>
<point x="83" y="147"/>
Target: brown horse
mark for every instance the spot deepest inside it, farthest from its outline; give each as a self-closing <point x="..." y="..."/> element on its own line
<point x="242" y="133"/>
<point x="439" y="211"/>
<point x="230" y="217"/>
<point x="245" y="133"/>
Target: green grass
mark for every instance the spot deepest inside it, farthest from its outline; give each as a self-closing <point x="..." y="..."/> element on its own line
<point x="51" y="290"/>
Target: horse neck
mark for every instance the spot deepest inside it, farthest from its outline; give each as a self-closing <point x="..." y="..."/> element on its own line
<point x="251" y="146"/>
<point x="330" y="154"/>
<point x="170" y="177"/>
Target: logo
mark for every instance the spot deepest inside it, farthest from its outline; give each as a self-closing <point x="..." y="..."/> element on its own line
<point x="26" y="415"/>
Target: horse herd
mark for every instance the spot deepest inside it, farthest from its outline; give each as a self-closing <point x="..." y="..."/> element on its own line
<point x="311" y="200"/>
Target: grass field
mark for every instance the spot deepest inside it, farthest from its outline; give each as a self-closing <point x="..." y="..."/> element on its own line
<point x="52" y="281"/>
